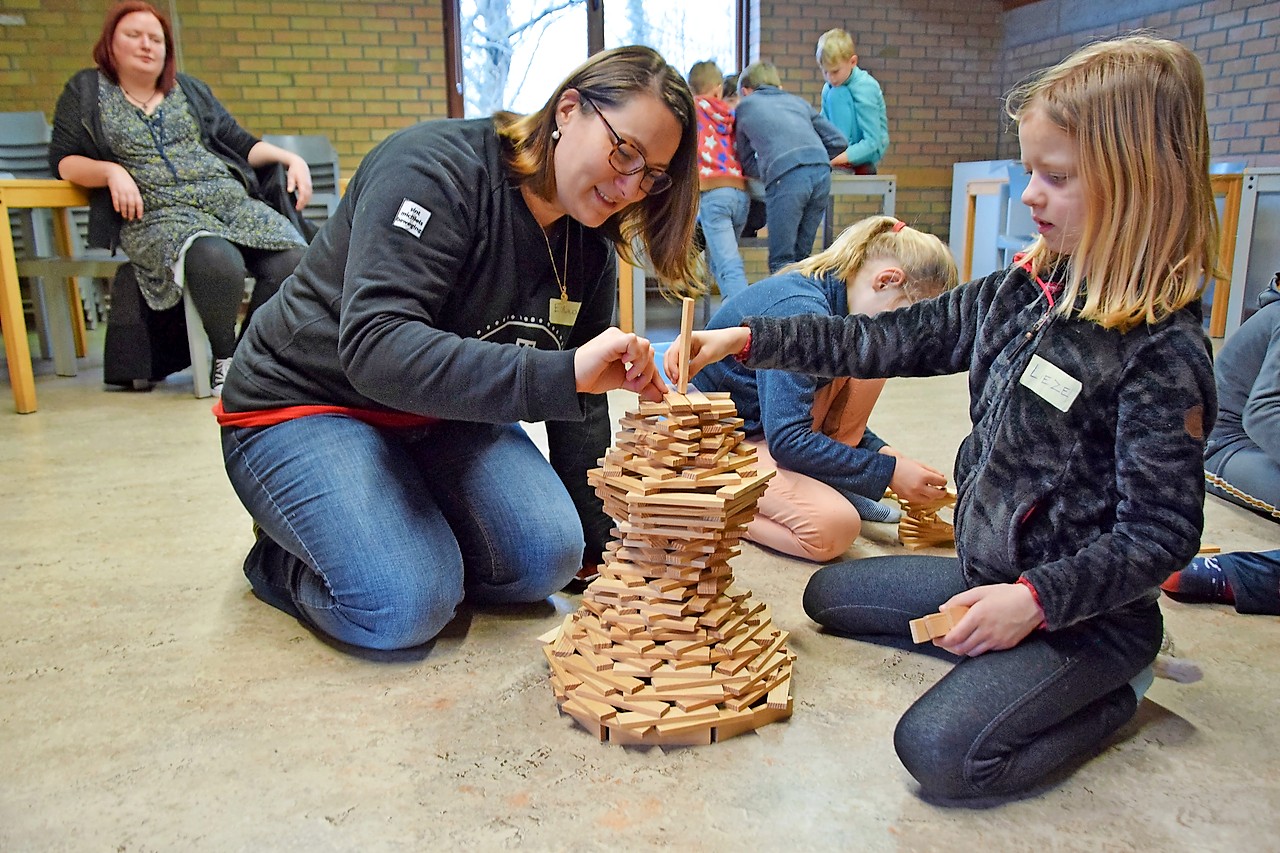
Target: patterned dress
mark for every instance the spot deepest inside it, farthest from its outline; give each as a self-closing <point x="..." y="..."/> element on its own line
<point x="187" y="191"/>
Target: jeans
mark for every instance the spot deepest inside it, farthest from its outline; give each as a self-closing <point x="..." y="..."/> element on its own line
<point x="794" y="205"/>
<point x="374" y="536"/>
<point x="722" y="212"/>
<point x="1000" y="722"/>
<point x="1255" y="580"/>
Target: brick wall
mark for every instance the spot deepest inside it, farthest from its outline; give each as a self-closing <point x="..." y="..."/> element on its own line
<point x="357" y="70"/>
<point x="1236" y="40"/>
<point x="36" y="58"/>
<point x="939" y="66"/>
<point x="352" y="70"/>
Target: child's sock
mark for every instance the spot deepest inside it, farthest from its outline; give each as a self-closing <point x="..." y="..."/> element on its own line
<point x="1202" y="581"/>
<point x="1142" y="682"/>
<point x="871" y="510"/>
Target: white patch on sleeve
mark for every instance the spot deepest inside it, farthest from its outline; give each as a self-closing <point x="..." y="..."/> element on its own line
<point x="412" y="217"/>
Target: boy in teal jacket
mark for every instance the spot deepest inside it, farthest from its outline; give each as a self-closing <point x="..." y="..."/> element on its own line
<point x="853" y="102"/>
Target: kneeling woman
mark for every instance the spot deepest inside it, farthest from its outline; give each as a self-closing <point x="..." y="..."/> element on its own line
<point x="466" y="282"/>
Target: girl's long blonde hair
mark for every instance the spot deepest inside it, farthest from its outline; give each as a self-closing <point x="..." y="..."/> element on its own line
<point x="1135" y="108"/>
<point x="925" y="260"/>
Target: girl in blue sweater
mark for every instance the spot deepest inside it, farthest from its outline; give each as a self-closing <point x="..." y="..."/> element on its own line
<point x="830" y="468"/>
<point x="1080" y="486"/>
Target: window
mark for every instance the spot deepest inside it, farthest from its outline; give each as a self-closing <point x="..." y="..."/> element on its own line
<point x="510" y="54"/>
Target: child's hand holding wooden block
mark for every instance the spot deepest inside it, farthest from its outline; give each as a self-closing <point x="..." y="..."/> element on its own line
<point x="936" y="625"/>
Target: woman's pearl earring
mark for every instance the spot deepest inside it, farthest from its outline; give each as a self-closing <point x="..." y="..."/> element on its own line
<point x="555" y="135"/>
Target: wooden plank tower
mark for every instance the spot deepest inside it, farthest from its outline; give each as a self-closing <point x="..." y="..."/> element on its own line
<point x="665" y="648"/>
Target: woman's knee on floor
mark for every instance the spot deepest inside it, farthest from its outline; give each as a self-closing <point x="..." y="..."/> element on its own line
<point x="394" y="609"/>
<point x="530" y="570"/>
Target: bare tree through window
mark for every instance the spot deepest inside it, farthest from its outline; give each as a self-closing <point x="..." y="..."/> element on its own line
<point x="514" y="52"/>
<point x="503" y="41"/>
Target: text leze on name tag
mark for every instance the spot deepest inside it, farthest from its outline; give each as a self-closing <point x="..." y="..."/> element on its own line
<point x="1050" y="382"/>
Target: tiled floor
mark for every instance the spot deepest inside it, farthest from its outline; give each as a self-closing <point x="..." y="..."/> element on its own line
<point x="149" y="702"/>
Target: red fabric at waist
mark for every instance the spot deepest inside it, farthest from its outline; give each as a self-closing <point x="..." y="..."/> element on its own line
<point x="271" y="417"/>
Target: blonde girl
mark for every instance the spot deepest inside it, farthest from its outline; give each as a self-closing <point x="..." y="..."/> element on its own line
<point x="831" y="469"/>
<point x="1080" y="485"/>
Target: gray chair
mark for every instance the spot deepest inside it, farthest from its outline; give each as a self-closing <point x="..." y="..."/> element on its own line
<point x="96" y="299"/>
<point x="24" y="145"/>
<point x="1019" y="228"/>
<point x="322" y="159"/>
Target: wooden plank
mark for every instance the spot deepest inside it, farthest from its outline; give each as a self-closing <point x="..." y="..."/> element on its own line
<point x="686" y="342"/>
<point x="936" y="625"/>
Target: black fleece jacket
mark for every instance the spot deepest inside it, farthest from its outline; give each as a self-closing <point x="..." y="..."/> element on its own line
<point x="428" y="291"/>
<point x="1095" y="505"/>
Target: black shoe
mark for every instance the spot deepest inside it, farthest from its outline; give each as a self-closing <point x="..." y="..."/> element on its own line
<point x="218" y="375"/>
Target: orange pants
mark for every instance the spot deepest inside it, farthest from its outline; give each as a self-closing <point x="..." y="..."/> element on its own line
<point x="800" y="515"/>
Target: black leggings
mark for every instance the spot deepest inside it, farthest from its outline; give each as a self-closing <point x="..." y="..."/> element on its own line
<point x="215" y="272"/>
<point x="1001" y="722"/>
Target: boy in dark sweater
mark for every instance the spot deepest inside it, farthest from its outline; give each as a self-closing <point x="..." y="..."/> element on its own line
<point x="785" y="142"/>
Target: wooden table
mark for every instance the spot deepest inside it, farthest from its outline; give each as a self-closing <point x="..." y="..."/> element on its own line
<point x="1231" y="187"/>
<point x="33" y="194"/>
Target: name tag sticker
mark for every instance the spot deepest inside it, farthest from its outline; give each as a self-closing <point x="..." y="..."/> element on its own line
<point x="564" y="312"/>
<point x="411" y="217"/>
<point x="1052" y="383"/>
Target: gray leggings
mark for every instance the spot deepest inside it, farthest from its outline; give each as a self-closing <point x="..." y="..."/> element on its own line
<point x="1248" y="468"/>
<point x="999" y="723"/>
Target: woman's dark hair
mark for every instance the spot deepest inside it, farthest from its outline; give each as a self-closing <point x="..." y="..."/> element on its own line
<point x="664" y="223"/>
<point x="106" y="62"/>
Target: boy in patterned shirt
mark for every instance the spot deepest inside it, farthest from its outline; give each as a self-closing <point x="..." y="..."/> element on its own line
<point x="722" y="208"/>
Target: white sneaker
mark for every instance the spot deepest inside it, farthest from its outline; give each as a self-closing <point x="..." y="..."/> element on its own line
<point x="218" y="377"/>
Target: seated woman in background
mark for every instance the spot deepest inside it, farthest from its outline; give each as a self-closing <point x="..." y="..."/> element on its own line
<point x="831" y="469"/>
<point x="174" y="175"/>
<point x="1242" y="464"/>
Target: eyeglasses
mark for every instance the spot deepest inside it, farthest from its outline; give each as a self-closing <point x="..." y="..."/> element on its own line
<point x="626" y="159"/>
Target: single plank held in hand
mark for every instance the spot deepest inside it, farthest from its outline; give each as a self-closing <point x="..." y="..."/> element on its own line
<point x="686" y="333"/>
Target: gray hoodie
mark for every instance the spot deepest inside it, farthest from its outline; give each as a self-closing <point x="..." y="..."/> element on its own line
<point x="778" y="131"/>
<point x="1247" y="371"/>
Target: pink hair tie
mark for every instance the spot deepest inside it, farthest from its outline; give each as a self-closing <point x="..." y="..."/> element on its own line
<point x="898" y="226"/>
